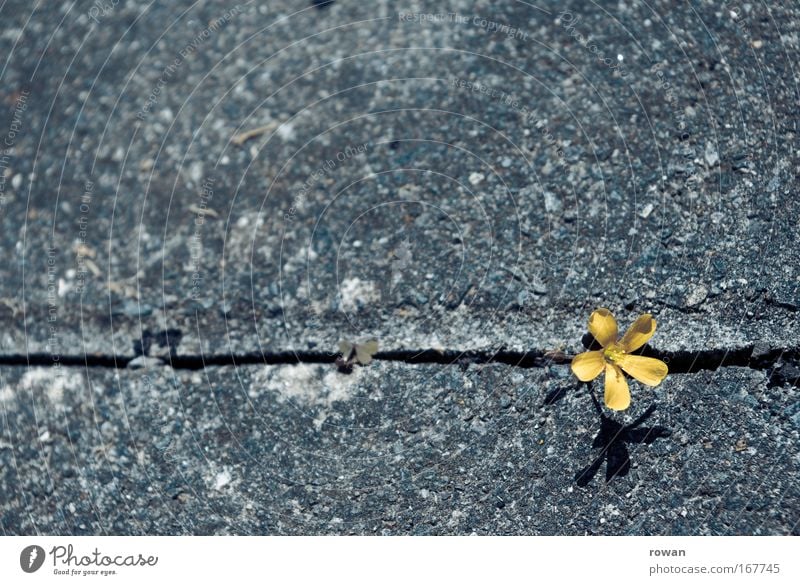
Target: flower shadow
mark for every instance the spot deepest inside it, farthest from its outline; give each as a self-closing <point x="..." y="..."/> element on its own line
<point x="613" y="438"/>
<point x="557" y="394"/>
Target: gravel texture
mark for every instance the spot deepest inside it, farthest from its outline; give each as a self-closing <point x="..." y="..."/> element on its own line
<point x="390" y="449"/>
<point x="387" y="197"/>
<point x="444" y="175"/>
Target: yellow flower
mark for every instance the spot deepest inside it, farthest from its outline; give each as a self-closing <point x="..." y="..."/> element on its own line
<point x="616" y="357"/>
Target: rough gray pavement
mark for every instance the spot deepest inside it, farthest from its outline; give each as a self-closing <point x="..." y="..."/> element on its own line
<point x="389" y="449"/>
<point x="455" y="175"/>
<point x="467" y="222"/>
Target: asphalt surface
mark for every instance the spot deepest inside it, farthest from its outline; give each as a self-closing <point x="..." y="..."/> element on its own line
<point x="392" y="449"/>
<point x="444" y="177"/>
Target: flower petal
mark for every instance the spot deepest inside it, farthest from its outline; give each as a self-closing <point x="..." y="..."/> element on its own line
<point x="617" y="395"/>
<point x="639" y="333"/>
<point x="603" y="326"/>
<point x="647" y="370"/>
<point x="588" y="365"/>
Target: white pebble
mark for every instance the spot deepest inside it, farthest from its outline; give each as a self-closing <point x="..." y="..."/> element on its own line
<point x="476" y="178"/>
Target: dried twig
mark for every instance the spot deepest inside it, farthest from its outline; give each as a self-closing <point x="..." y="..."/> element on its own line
<point x="243" y="137"/>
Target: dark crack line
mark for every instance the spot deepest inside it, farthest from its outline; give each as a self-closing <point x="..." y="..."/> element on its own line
<point x="782" y="364"/>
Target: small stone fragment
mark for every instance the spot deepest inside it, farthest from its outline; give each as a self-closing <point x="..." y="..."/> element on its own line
<point x="552" y="203"/>
<point x="476" y="178"/>
<point x="696" y="296"/>
<point x="711" y="154"/>
<point x="144" y="362"/>
<point x="645" y="212"/>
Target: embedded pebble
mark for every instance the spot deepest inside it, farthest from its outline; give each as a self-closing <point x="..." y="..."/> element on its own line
<point x="697" y="294"/>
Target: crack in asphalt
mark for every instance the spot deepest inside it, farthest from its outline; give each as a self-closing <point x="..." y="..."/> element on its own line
<point x="781" y="364"/>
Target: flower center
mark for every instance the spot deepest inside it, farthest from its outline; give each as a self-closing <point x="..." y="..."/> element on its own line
<point x="613" y="353"/>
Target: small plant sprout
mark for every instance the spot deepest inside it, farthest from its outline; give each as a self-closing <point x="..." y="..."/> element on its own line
<point x="353" y="353"/>
<point x="617" y="356"/>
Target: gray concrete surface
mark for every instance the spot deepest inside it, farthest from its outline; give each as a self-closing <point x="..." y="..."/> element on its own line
<point x="435" y="182"/>
<point x="390" y="449"/>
